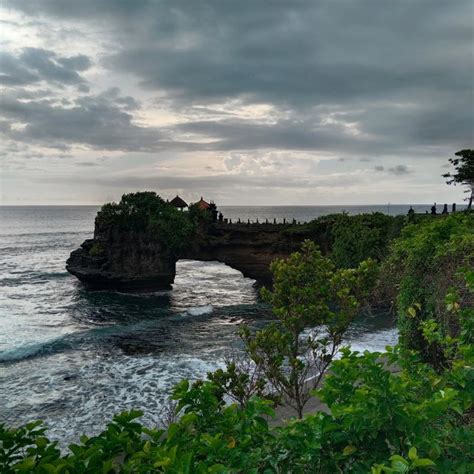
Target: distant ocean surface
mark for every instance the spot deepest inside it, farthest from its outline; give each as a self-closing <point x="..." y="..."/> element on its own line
<point x="74" y="358"/>
<point x="307" y="213"/>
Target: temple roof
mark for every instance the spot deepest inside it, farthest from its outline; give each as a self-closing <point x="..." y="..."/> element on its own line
<point x="203" y="204"/>
<point x="178" y="202"/>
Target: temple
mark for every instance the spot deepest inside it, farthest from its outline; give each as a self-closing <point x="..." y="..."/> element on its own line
<point x="201" y="204"/>
<point x="179" y="203"/>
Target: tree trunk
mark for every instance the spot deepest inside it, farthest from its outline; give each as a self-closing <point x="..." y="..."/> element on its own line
<point x="294" y="370"/>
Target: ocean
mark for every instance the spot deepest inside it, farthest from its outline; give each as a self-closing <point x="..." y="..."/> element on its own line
<point x="74" y="358"/>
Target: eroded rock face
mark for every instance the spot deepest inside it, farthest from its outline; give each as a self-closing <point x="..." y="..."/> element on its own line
<point x="247" y="248"/>
<point x="137" y="260"/>
<point x="122" y="260"/>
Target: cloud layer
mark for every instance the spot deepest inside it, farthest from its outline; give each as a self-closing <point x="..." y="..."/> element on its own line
<point x="341" y="89"/>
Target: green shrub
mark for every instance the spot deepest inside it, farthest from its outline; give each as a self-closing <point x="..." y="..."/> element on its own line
<point x="356" y="238"/>
<point x="351" y="239"/>
<point x="148" y="212"/>
<point x="377" y="419"/>
<point x="422" y="267"/>
<point x="308" y="293"/>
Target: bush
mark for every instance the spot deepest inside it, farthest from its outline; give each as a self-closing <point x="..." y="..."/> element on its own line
<point x="148" y="212"/>
<point x="351" y="239"/>
<point x="356" y="238"/>
<point x="379" y="421"/>
<point x="308" y="295"/>
<point x="422" y="266"/>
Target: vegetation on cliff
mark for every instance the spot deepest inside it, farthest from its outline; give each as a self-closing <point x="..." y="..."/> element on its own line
<point x="356" y="238"/>
<point x="463" y="172"/>
<point x="308" y="292"/>
<point x="148" y="212"/>
<point x="428" y="260"/>
<point x="350" y="239"/>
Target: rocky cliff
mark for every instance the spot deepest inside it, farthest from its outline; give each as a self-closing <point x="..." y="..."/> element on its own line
<point x="122" y="260"/>
<point x="138" y="260"/>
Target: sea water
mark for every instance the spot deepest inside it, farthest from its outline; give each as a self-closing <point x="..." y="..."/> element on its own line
<point x="74" y="358"/>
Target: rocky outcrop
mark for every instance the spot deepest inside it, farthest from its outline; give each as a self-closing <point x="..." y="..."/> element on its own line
<point x="138" y="260"/>
<point x="123" y="260"/>
<point x="247" y="248"/>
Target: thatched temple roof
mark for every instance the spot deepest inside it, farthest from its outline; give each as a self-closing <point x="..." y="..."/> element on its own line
<point x="203" y="204"/>
<point x="178" y="202"/>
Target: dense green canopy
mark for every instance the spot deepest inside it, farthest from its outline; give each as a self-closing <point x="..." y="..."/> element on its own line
<point x="464" y="166"/>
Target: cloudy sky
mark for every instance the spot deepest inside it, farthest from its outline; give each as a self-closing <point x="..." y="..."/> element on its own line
<point x="244" y="102"/>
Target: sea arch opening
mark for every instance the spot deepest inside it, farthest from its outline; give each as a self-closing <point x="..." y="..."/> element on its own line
<point x="201" y="283"/>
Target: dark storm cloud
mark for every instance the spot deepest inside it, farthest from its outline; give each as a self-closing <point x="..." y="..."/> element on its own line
<point x="100" y="121"/>
<point x="304" y="132"/>
<point x="210" y="183"/>
<point x="285" y="134"/>
<point x="32" y="65"/>
<point x="90" y="9"/>
<point x="297" y="52"/>
<point x="401" y="71"/>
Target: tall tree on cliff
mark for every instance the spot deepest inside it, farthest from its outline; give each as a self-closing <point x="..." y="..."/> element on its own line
<point x="314" y="303"/>
<point x="464" y="167"/>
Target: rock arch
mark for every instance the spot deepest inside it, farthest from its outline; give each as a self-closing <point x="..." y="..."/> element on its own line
<point x="137" y="260"/>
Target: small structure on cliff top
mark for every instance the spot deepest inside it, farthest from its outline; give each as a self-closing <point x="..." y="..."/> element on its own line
<point x="179" y="203"/>
<point x="201" y="204"/>
<point x="208" y="206"/>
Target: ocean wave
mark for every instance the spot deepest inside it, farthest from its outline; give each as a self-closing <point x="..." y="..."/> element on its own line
<point x="113" y="337"/>
<point x="36" y="349"/>
<point x="96" y="337"/>
<point x="21" y="252"/>
<point x="200" y="310"/>
<point x="20" y="278"/>
<point x="66" y="342"/>
<point x="88" y="393"/>
<point x="46" y="234"/>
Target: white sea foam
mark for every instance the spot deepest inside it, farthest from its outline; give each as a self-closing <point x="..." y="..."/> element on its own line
<point x="200" y="310"/>
<point x="86" y="395"/>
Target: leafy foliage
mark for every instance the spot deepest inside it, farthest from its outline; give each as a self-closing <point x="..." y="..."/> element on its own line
<point x="422" y="267"/>
<point x="464" y="166"/>
<point x="308" y="295"/>
<point x="350" y="239"/>
<point x="388" y="413"/>
<point x="148" y="212"/>
<point x="241" y="380"/>
<point x="356" y="238"/>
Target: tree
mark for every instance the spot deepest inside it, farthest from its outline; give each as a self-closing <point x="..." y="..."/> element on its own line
<point x="147" y="212"/>
<point x="464" y="166"/>
<point x="314" y="305"/>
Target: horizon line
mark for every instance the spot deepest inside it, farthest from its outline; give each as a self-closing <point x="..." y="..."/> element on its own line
<point x="257" y="205"/>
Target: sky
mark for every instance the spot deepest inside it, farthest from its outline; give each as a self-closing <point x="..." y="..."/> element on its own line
<point x="255" y="102"/>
